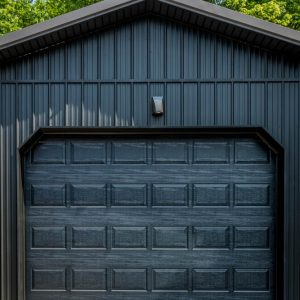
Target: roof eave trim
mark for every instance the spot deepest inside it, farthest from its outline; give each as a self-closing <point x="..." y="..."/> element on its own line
<point x="63" y="21"/>
<point x="238" y="19"/>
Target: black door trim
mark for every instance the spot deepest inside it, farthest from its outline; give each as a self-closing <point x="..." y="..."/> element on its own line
<point x="259" y="132"/>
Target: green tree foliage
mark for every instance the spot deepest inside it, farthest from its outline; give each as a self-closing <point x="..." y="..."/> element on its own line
<point x="16" y="14"/>
<point x="285" y="13"/>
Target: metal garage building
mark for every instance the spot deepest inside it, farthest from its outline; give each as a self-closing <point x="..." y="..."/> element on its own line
<point x="102" y="199"/>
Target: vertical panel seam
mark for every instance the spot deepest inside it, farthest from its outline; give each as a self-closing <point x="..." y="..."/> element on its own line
<point x="266" y="87"/>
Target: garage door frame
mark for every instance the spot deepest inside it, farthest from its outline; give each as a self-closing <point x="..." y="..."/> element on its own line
<point x="124" y="132"/>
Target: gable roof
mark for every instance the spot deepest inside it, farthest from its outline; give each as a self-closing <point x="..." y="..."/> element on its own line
<point x="109" y="12"/>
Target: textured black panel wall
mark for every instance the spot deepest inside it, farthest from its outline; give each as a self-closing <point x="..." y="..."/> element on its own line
<point x="107" y="79"/>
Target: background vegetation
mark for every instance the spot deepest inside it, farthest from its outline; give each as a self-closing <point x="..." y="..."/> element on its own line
<point x="285" y="13"/>
<point x="16" y="14"/>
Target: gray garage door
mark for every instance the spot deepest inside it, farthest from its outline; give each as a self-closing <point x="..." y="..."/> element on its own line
<point x="115" y="218"/>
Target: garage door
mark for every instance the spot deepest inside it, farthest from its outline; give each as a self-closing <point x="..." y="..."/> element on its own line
<point x="150" y="218"/>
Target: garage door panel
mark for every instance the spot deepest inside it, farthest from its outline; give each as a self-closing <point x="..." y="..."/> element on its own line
<point x="250" y="152"/>
<point x="131" y="151"/>
<point x="198" y="195"/>
<point x="102" y="236"/>
<point x="47" y="195"/>
<point x="87" y="153"/>
<point x="200" y="282"/>
<point x="170" y="153"/>
<point x="153" y="172"/>
<point x="246" y="177"/>
<point x="129" y="195"/>
<point x="53" y="152"/>
<point x="131" y="218"/>
<point x="99" y="247"/>
<point x="226" y="215"/>
<point x="200" y="278"/>
<point x="150" y="219"/>
<point x="206" y="258"/>
<point x="158" y="296"/>
<point x="87" y="194"/>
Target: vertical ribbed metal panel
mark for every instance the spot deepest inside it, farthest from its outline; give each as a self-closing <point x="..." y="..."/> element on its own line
<point x="290" y="70"/>
<point x="174" y="51"/>
<point x="3" y="287"/>
<point x="157" y="49"/>
<point x="140" y="50"/>
<point x="190" y="53"/>
<point x="224" y="105"/>
<point x="57" y="63"/>
<point x="274" y="66"/>
<point x="123" y="52"/>
<point x="107" y="57"/>
<point x="90" y="104"/>
<point x="40" y="105"/>
<point x="108" y="79"/>
<point x="24" y="104"/>
<point x="273" y="111"/>
<point x="24" y="69"/>
<point x="8" y="72"/>
<point x="258" y="64"/>
<point x="74" y="104"/>
<point x="8" y="191"/>
<point x="241" y="109"/>
<point x="257" y="103"/>
<point x="290" y="134"/>
<point x="223" y="58"/>
<point x="190" y="104"/>
<point x="123" y="108"/>
<point x="90" y="58"/>
<point x="207" y="55"/>
<point x="173" y="104"/>
<point x="107" y="105"/>
<point x="241" y="67"/>
<point x="41" y="68"/>
<point x="296" y="289"/>
<point x="140" y="105"/>
<point x="74" y="63"/>
<point x="57" y="104"/>
<point x="207" y="103"/>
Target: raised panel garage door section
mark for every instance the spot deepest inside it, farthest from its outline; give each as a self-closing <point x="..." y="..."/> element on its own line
<point x="150" y="218"/>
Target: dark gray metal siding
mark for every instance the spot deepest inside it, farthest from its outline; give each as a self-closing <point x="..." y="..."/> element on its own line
<point x="107" y="79"/>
